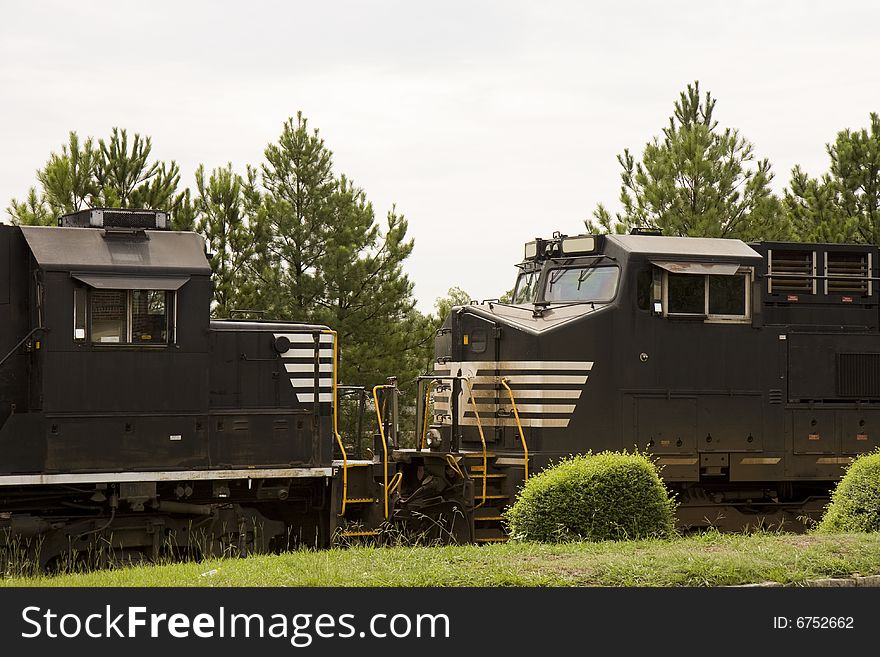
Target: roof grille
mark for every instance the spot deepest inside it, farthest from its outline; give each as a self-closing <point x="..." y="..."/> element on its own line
<point x="116" y="218"/>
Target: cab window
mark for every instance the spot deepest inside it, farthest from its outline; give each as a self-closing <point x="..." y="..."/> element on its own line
<point x="720" y="298"/>
<point x="591" y="284"/>
<point x="526" y="286"/>
<point x="132" y="317"/>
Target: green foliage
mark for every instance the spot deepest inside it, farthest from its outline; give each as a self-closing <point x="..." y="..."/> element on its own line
<point x="844" y="204"/>
<point x="698" y="180"/>
<point x="222" y="222"/>
<point x="855" y="502"/>
<point x="455" y="296"/>
<point x="594" y="497"/>
<point x="320" y="255"/>
<point x="115" y="173"/>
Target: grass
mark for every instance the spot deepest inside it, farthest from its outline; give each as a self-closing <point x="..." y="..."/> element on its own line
<point x="711" y="559"/>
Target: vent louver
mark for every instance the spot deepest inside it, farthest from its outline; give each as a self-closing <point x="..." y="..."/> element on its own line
<point x="858" y="375"/>
<point x="791" y="271"/>
<point x="847" y="273"/>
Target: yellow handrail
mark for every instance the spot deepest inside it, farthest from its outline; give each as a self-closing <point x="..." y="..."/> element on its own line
<point x="395" y="482"/>
<point x="384" y="443"/>
<point x="450" y="460"/>
<point x="335" y="424"/>
<point x="482" y="439"/>
<point x="522" y="437"/>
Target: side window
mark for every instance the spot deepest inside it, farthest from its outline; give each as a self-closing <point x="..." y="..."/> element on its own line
<point x="79" y="314"/>
<point x="686" y="294"/>
<point x="717" y="298"/>
<point x="727" y="295"/>
<point x="134" y="317"/>
<point x="149" y="317"/>
<point x="109" y="310"/>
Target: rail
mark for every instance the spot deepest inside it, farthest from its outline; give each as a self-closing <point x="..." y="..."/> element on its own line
<point x="482" y="440"/>
<point x="430" y="388"/>
<point x="385" y="486"/>
<point x="20" y="342"/>
<point x="522" y="437"/>
<point x="336" y="425"/>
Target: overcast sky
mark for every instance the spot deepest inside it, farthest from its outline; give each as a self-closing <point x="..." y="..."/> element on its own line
<point x="487" y="123"/>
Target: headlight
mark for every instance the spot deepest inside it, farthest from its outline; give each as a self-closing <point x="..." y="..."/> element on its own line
<point x="433" y="438"/>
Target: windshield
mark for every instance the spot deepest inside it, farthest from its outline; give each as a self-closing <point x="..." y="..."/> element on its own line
<point x="526" y="287"/>
<point x="596" y="284"/>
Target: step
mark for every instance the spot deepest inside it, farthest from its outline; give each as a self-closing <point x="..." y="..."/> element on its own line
<point x="479" y="475"/>
<point x="488" y="518"/>
<point x="361" y="500"/>
<point x="476" y="455"/>
<point x="481" y="497"/>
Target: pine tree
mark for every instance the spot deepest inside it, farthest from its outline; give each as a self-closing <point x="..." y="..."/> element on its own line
<point x="293" y="217"/>
<point x="844" y="205"/>
<point x="67" y="184"/>
<point x="320" y="255"/>
<point x="115" y="173"/>
<point x="222" y="222"/>
<point x="698" y="180"/>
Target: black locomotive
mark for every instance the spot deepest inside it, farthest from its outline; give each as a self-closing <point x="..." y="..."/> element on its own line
<point x="750" y="371"/>
<point x="129" y="419"/>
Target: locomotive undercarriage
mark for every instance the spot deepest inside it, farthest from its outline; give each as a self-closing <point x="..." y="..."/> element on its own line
<point x="66" y="527"/>
<point x="779" y="506"/>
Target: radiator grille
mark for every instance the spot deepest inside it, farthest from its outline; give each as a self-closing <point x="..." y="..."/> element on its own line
<point x="791" y="271"/>
<point x="858" y="375"/>
<point x="848" y="273"/>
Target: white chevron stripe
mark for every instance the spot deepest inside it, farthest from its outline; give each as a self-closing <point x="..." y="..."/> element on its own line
<point x="559" y="423"/>
<point x="306" y="353"/>
<point x="531" y="379"/>
<point x="524" y="408"/>
<point x="303" y="388"/>
<point x="309" y="338"/>
<point x="576" y="365"/>
<point x="309" y="397"/>
<point x="308" y="367"/>
<point x="518" y="394"/>
<point x="310" y="383"/>
<point x="485" y="381"/>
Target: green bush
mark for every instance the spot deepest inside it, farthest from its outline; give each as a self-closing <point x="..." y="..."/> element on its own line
<point x="855" y="502"/>
<point x="594" y="497"/>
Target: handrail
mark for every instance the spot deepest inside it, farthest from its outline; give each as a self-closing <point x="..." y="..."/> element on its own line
<point x="427" y="401"/>
<point x="395" y="482"/>
<point x="522" y="437"/>
<point x="482" y="439"/>
<point x="384" y="443"/>
<point x="20" y="342"/>
<point x="335" y="425"/>
<point x="452" y="463"/>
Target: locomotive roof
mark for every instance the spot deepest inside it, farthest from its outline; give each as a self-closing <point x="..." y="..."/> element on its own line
<point x="90" y="249"/>
<point x="687" y="248"/>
